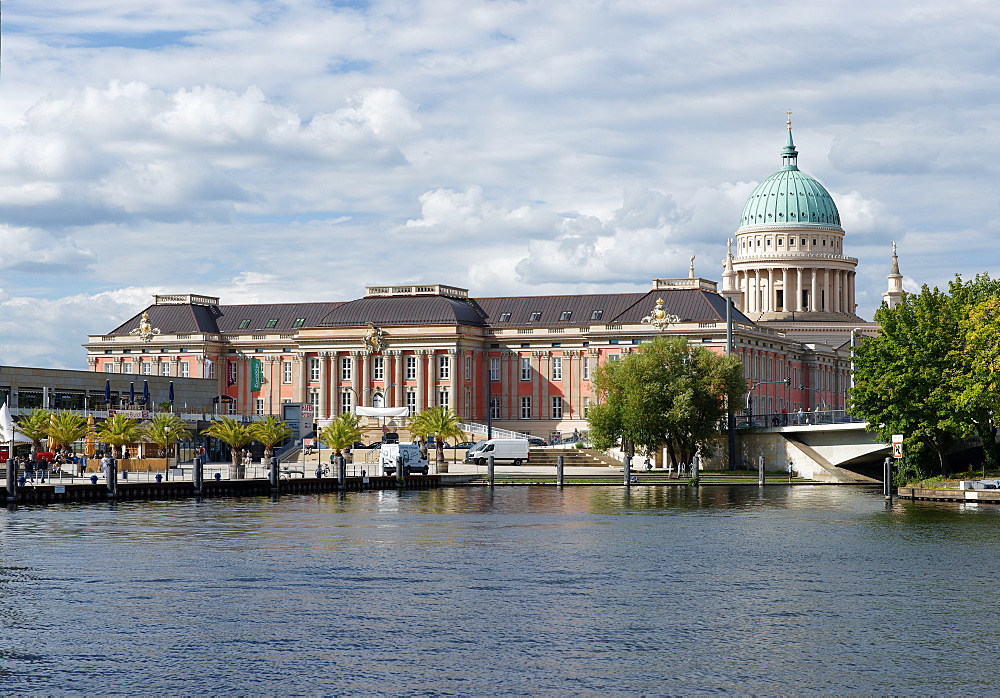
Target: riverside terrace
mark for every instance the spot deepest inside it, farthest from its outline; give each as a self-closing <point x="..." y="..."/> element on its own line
<point x="24" y="389"/>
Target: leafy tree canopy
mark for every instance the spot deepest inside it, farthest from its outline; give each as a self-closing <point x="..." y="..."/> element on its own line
<point x="342" y="432"/>
<point x="667" y="394"/>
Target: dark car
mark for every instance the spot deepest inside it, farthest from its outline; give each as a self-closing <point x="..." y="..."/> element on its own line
<point x="535" y="441"/>
<point x="466" y="445"/>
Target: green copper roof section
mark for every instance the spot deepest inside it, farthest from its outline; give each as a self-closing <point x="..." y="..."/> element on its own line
<point x="790" y="197"/>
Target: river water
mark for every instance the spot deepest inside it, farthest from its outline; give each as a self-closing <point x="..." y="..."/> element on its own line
<point x="523" y="590"/>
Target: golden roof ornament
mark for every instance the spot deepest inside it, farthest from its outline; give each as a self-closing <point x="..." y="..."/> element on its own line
<point x="145" y="331"/>
<point x="374" y="340"/>
<point x="659" y="318"/>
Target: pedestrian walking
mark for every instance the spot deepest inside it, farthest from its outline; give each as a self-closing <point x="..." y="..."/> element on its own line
<point x="29" y="469"/>
<point x="43" y="468"/>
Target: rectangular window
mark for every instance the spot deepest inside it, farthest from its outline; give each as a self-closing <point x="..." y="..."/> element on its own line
<point x="586" y="407"/>
<point x="299" y="322"/>
<point x="444" y="367"/>
<point x="346" y="368"/>
<point x="145" y="368"/>
<point x="525" y="368"/>
<point x="556" y="407"/>
<point x="345" y="402"/>
<point x="313" y="369"/>
<point x="444" y="399"/>
<point x="411" y="402"/>
<point x="597" y="315"/>
<point x="271" y="323"/>
<point x="565" y="315"/>
<point x="535" y="317"/>
<point x="468" y="368"/>
<point x="557" y="368"/>
<point x="185" y="367"/>
<point x="164" y="368"/>
<point x="526" y="407"/>
<point x="211" y="369"/>
<point x="411" y="368"/>
<point x="614" y="357"/>
<point x="258" y="406"/>
<point x="495" y="407"/>
<point x="109" y="367"/>
<point x="504" y="317"/>
<point x="314" y="400"/>
<point x="244" y="324"/>
<point x="127" y="367"/>
<point x="378" y="368"/>
<point x="495" y="370"/>
<point x="286" y="371"/>
<point x="586" y="368"/>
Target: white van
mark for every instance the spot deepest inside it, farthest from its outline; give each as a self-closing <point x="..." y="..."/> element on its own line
<point x="406" y="455"/>
<point x="513" y="451"/>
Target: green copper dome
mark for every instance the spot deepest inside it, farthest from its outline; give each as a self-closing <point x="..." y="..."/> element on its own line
<point x="790" y="197"/>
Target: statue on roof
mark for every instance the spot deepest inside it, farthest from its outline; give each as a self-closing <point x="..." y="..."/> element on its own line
<point x="659" y="318"/>
<point x="374" y="341"/>
<point x="145" y="331"/>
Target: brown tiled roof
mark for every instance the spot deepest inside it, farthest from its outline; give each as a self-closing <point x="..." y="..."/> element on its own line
<point x="406" y="310"/>
<point x="223" y="319"/>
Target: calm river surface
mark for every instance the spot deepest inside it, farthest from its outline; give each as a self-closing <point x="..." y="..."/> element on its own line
<point x="526" y="590"/>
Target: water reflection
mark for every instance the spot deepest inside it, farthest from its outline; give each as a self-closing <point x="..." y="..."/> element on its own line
<point x="513" y="590"/>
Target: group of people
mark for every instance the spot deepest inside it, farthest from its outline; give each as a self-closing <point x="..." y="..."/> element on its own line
<point x="30" y="466"/>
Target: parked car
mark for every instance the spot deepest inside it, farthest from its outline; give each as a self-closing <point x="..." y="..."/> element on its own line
<point x="462" y="444"/>
<point x="535" y="441"/>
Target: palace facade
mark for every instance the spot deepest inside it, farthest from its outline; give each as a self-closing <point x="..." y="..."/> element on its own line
<point x="526" y="363"/>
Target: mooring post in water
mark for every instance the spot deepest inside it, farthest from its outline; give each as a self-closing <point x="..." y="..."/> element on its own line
<point x="341" y="473"/>
<point x="11" y="477"/>
<point x="111" y="477"/>
<point x="628" y="471"/>
<point x="760" y="470"/>
<point x="273" y="473"/>
<point x="887" y="479"/>
<point x="197" y="475"/>
<point x="559" y="471"/>
<point x="491" y="470"/>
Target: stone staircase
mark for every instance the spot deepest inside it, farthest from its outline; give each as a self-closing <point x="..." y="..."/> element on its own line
<point x="572" y="457"/>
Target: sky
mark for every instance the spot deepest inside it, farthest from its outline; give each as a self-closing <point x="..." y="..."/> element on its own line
<point x="301" y="150"/>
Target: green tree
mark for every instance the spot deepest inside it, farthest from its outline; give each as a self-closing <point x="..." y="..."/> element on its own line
<point x="66" y="428"/>
<point x="667" y="394"/>
<point x="235" y="434"/>
<point x="35" y="425"/>
<point x="342" y="432"/>
<point x="443" y="423"/>
<point x="119" y="430"/>
<point x="165" y="429"/>
<point x="270" y="431"/>
<point x="928" y="375"/>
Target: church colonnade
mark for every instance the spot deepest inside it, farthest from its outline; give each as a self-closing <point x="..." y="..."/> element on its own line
<point x="814" y="289"/>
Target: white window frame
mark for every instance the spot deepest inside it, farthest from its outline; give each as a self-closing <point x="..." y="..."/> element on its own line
<point x="586" y="406"/>
<point x="346" y="402"/>
<point x="128" y="367"/>
<point x="444" y="399"/>
<point x="557" y="368"/>
<point x="444" y="367"/>
<point x="494" y="370"/>
<point x="411" y="402"/>
<point x="314" y="369"/>
<point x="258" y="406"/>
<point x="468" y="368"/>
<point x="146" y="368"/>
<point x="494" y="407"/>
<point x="109" y="367"/>
<point x="346" y="368"/>
<point x="586" y="368"/>
<point x="411" y="368"/>
<point x="557" y="407"/>
<point x="185" y="369"/>
<point x="378" y="368"/>
<point x="164" y="368"/>
<point x="286" y="372"/>
<point x="525" y="368"/>
<point x="525" y="407"/>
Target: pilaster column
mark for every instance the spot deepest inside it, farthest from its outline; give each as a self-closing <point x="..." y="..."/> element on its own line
<point x="366" y="379"/>
<point x="324" y="385"/>
<point x="455" y="360"/>
<point x="850" y="292"/>
<point x="786" y="299"/>
<point x="397" y="371"/>
<point x="300" y="378"/>
<point x="356" y="377"/>
<point x="815" y="286"/>
<point x="421" y="355"/>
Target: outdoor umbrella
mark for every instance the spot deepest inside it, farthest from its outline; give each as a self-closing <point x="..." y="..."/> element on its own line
<point x="171" y="392"/>
<point x="131" y="393"/>
<point x="107" y="392"/>
<point x="145" y="393"/>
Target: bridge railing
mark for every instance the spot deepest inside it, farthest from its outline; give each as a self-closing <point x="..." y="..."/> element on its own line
<point x="794" y="419"/>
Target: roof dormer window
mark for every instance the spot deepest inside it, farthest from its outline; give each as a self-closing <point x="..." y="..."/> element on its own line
<point x="535" y="316"/>
<point x="244" y="324"/>
<point x="504" y="317"/>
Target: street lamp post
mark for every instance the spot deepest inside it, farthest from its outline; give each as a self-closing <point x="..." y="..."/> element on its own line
<point x="787" y="381"/>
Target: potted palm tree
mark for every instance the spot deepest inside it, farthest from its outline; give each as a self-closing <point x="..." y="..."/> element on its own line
<point x="165" y="429"/>
<point x="270" y="431"/>
<point x="442" y="422"/>
<point x="119" y="430"/>
<point x="236" y="435"/>
<point x="342" y="432"/>
<point x="66" y="428"/>
<point x="35" y="426"/>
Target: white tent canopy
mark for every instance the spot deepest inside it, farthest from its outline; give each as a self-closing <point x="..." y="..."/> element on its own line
<point x="382" y="411"/>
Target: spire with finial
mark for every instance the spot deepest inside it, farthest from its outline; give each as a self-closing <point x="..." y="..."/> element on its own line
<point x="691" y="268"/>
<point x="789" y="155"/>
<point x="894" y="293"/>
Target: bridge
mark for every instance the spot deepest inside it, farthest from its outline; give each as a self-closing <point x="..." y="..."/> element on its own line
<point x="824" y="446"/>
